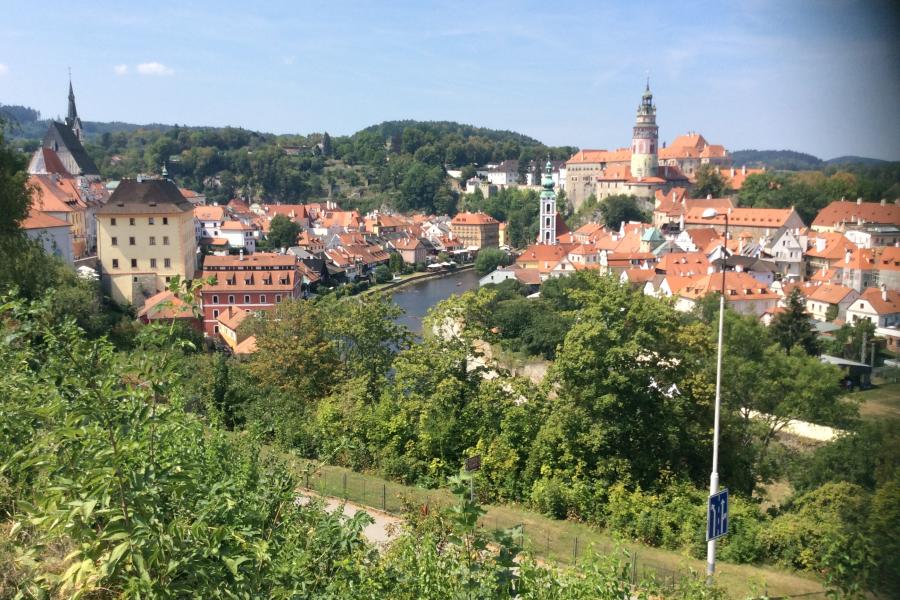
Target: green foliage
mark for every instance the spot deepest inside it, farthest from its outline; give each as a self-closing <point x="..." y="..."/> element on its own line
<point x="708" y="183"/>
<point x="382" y="274"/>
<point x="518" y="208"/>
<point x="792" y="327"/>
<point x="619" y="208"/>
<point x="489" y="259"/>
<point x="282" y="232"/>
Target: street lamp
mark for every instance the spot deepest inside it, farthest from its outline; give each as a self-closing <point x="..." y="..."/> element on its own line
<point x="712" y="213"/>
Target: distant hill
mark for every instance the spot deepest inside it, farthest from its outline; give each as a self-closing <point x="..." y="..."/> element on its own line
<point x="779" y="160"/>
<point x="445" y="128"/>
<point x="856" y="160"/>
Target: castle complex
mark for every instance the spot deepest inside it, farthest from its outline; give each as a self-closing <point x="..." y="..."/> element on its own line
<point x="644" y="168"/>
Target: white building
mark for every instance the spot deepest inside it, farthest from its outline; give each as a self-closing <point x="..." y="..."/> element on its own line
<point x="54" y="234"/>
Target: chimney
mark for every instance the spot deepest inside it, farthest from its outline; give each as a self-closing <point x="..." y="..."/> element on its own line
<point x="744" y="170"/>
<point x="241" y="254"/>
<point x="859" y="201"/>
<point x="884" y="292"/>
<point x="847" y="255"/>
<point x="709" y="196"/>
<point x="732" y="171"/>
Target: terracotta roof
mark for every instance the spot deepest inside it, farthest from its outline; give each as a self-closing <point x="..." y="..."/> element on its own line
<point x="56" y="193"/>
<point x="248" y="346"/>
<point x="869" y="259"/>
<point x="833" y="245"/>
<point x="744" y="217"/>
<point x="41" y="220"/>
<point x="291" y="211"/>
<point x="704" y="236"/>
<point x="600" y="156"/>
<point x="685" y="264"/>
<point x="468" y="218"/>
<point x="735" y="178"/>
<point x="882" y="305"/>
<point x="240" y="281"/>
<point x="681" y="205"/>
<point x="639" y="275"/>
<point x="738" y="286"/>
<point x="829" y="293"/>
<point x="259" y="260"/>
<point x="406" y="243"/>
<point x="850" y="212"/>
<point x="209" y="213"/>
<point x="165" y="305"/>
<point x="348" y="219"/>
<point x="233" y="316"/>
<point x="235" y="226"/>
<point x="146" y="196"/>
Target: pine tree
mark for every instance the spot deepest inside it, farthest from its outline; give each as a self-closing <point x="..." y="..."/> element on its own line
<point x="792" y="327"/>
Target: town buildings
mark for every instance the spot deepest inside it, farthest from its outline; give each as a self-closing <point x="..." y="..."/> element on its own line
<point x="476" y="230"/>
<point x="146" y="236"/>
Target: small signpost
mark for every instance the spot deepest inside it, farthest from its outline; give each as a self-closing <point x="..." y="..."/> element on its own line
<point x="717" y="516"/>
<point x="473" y="463"/>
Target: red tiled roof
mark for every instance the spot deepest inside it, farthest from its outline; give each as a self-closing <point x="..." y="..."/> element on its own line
<point x="600" y="156"/>
<point x="829" y="293"/>
<point x="209" y="213"/>
<point x="41" y="220"/>
<point x="850" y="212"/>
<point x="883" y="306"/>
<point x="738" y="286"/>
<point x="165" y="305"/>
<point x="468" y="218"/>
<point x="744" y="217"/>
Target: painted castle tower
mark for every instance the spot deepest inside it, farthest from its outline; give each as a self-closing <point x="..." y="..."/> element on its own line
<point x="548" y="207"/>
<point x="645" y="141"/>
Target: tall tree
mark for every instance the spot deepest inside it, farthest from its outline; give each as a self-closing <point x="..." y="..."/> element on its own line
<point x="327" y="149"/>
<point x="709" y="183"/>
<point x="792" y="327"/>
<point x="618" y="208"/>
<point x="282" y="232"/>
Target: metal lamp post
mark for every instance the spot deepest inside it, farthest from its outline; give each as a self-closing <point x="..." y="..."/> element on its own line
<point x="711" y="213"/>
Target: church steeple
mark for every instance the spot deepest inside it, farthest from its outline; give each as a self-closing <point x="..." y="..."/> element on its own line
<point x="548" y="207"/>
<point x="72" y="120"/>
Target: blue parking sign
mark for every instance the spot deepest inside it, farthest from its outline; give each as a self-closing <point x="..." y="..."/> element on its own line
<point x="717" y="515"/>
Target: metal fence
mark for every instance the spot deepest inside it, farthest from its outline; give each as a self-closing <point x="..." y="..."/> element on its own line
<point x="559" y="543"/>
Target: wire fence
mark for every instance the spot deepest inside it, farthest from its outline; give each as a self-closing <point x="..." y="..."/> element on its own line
<point x="560" y="542"/>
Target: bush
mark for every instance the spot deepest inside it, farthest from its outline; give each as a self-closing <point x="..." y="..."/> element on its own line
<point x="382" y="274"/>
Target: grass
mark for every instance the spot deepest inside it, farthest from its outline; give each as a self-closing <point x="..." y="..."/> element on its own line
<point x="561" y="542"/>
<point x="880" y="402"/>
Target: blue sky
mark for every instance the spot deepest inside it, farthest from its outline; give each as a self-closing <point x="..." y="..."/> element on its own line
<point x="819" y="76"/>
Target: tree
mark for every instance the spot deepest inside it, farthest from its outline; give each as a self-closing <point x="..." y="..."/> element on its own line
<point x="395" y="263"/>
<point x="709" y="182"/>
<point x="467" y="173"/>
<point x="283" y="232"/>
<point x="382" y="274"/>
<point x="327" y="149"/>
<point x="620" y="208"/>
<point x="489" y="259"/>
<point x="15" y="194"/>
<point x="792" y="327"/>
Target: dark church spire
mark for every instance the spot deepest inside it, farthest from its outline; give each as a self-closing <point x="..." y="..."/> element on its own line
<point x="73" y="113"/>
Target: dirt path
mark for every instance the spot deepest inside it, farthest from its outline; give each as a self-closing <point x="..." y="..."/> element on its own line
<point x="380" y="533"/>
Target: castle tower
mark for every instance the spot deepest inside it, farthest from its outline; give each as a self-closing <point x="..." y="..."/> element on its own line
<point x="645" y="140"/>
<point x="548" y="208"/>
<point x="72" y="120"/>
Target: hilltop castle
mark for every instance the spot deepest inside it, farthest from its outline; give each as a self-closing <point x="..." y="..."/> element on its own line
<point x="644" y="168"/>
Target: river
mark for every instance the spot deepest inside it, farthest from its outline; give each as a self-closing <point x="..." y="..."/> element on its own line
<point x="417" y="297"/>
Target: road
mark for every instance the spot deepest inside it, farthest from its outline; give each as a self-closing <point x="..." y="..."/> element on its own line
<point x="380" y="533"/>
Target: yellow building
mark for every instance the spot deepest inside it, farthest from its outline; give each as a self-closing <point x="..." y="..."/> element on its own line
<point x="476" y="230"/>
<point x="145" y="236"/>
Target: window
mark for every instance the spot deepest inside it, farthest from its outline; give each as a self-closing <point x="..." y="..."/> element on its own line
<point x="262" y="299"/>
<point x="112" y="221"/>
<point x="168" y="279"/>
<point x="152" y="241"/>
<point x="215" y="314"/>
<point x="165" y="240"/>
<point x="152" y="263"/>
<point x="165" y="220"/>
<point x="150" y="221"/>
<point x="167" y="263"/>
<point x="134" y="263"/>
<point x="131" y="241"/>
<point x="247" y="299"/>
<point x="114" y="241"/>
<point x="215" y="329"/>
<point x="215" y="300"/>
<point x="131" y="221"/>
<point x="115" y="263"/>
<point x="277" y="297"/>
<point x="230" y="299"/>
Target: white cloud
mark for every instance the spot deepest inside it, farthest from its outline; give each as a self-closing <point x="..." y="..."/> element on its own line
<point x="154" y="68"/>
<point x="121" y="69"/>
<point x="3" y="69"/>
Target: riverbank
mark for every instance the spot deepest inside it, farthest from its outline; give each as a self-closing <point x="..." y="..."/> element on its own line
<point x="413" y="278"/>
